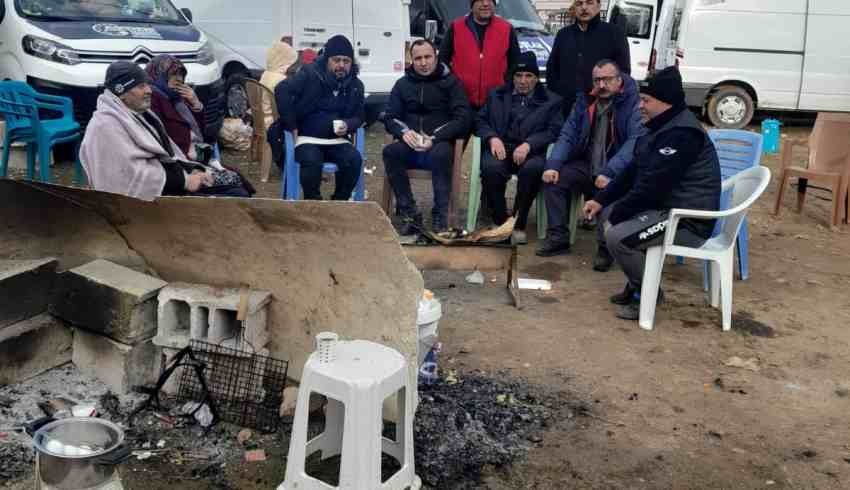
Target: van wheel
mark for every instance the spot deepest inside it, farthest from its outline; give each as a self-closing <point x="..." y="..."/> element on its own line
<point x="730" y="107"/>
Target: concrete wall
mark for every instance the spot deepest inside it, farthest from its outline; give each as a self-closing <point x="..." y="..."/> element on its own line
<point x="333" y="266"/>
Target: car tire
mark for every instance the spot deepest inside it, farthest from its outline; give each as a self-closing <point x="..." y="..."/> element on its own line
<point x="730" y="107"/>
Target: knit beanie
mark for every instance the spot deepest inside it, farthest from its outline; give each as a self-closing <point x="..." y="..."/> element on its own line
<point x="122" y="76"/>
<point x="339" y="45"/>
<point x="665" y="85"/>
<point x="526" y="62"/>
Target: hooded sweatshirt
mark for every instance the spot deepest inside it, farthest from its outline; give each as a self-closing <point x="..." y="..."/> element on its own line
<point x="280" y="57"/>
<point x="120" y="155"/>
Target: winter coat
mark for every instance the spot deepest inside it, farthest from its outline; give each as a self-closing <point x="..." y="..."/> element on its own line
<point x="676" y="166"/>
<point x="626" y="127"/>
<point x="434" y="105"/>
<point x="313" y="98"/>
<point x="538" y="129"/>
<point x="177" y="128"/>
<point x="481" y="64"/>
<point x="280" y="57"/>
<point x="575" y="52"/>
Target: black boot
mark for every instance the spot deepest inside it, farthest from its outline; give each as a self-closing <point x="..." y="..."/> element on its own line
<point x="625" y="296"/>
<point x="551" y="248"/>
<point x="603" y="260"/>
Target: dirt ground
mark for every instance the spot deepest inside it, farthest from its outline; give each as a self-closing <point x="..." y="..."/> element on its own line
<point x="667" y="412"/>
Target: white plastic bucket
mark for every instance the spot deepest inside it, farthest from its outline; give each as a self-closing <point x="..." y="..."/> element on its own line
<point x="427" y="321"/>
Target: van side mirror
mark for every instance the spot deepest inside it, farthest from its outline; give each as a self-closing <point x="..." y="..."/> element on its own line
<point x="187" y="13"/>
<point x="430" y="30"/>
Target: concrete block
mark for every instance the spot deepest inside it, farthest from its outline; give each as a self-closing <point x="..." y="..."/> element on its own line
<point x="30" y="347"/>
<point x="109" y="299"/>
<point x="121" y="366"/>
<point x="198" y="312"/>
<point x="25" y="288"/>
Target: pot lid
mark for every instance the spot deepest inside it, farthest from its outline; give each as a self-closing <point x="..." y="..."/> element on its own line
<point x="78" y="437"/>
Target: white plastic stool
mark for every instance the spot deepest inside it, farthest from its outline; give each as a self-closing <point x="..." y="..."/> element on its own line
<point x="356" y="377"/>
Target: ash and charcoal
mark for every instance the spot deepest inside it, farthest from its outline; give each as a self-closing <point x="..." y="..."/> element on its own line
<point x="476" y="422"/>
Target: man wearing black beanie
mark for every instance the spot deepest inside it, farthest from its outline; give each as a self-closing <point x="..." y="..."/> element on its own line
<point x="323" y="105"/>
<point x="675" y="166"/>
<point x="516" y="126"/>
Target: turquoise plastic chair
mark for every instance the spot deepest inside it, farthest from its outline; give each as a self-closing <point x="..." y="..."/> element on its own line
<point x="738" y="150"/>
<point x="291" y="185"/>
<point x="474" y="204"/>
<point x="20" y="106"/>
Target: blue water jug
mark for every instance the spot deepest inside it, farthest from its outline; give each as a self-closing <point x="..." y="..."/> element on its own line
<point x="770" y="136"/>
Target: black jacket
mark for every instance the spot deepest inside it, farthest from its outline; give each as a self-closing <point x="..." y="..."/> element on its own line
<point x="675" y="166"/>
<point x="299" y="100"/>
<point x="539" y="129"/>
<point x="434" y="105"/>
<point x="570" y="66"/>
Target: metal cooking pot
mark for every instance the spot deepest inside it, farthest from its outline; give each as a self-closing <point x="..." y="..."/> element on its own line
<point x="79" y="453"/>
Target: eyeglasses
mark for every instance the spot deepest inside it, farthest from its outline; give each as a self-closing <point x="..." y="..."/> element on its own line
<point x="605" y="80"/>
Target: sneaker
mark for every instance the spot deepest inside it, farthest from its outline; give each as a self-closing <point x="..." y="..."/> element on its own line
<point x="603" y="260"/>
<point x="552" y="248"/>
<point x="409" y="225"/>
<point x="630" y="310"/>
<point x="519" y="237"/>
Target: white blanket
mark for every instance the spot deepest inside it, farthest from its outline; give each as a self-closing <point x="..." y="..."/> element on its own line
<point x="120" y="155"/>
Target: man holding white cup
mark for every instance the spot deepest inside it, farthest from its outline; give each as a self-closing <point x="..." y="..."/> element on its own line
<point x="323" y="105"/>
<point x="427" y="111"/>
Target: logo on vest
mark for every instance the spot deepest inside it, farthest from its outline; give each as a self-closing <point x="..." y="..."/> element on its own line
<point x="667" y="151"/>
<point x="652" y="230"/>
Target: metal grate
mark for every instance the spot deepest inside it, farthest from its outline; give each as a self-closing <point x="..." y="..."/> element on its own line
<point x="247" y="388"/>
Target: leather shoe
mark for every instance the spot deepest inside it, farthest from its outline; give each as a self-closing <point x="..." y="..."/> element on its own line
<point x="551" y="249"/>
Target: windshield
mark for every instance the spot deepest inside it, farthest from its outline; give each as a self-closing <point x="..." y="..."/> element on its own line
<point x="147" y="11"/>
<point x="520" y="13"/>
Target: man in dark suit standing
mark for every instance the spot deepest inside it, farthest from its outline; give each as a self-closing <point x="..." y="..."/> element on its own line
<point x="579" y="47"/>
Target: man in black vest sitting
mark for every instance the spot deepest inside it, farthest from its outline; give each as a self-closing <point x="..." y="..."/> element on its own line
<point x="675" y="166"/>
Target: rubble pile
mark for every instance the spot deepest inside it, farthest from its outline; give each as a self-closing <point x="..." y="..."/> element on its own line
<point x="469" y="421"/>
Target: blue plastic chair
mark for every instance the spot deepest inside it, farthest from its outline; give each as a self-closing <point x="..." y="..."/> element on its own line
<point x="291" y="186"/>
<point x="737" y="150"/>
<point x="20" y="105"/>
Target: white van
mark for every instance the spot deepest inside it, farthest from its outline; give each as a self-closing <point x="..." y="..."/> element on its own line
<point x="63" y="47"/>
<point x="242" y="33"/>
<point x="743" y="55"/>
<point x="652" y="27"/>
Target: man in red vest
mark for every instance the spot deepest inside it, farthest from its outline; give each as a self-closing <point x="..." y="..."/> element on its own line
<point x="480" y="48"/>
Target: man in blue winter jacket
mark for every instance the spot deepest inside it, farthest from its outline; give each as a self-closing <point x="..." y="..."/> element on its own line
<point x="595" y="146"/>
<point x="323" y="105"/>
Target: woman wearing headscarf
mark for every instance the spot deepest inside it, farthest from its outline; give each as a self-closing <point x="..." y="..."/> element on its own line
<point x="176" y="104"/>
<point x="182" y="115"/>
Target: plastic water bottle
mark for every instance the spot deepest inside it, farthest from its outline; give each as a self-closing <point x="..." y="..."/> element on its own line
<point x="428" y="370"/>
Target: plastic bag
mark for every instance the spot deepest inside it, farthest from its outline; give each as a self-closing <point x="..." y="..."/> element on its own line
<point x="235" y="134"/>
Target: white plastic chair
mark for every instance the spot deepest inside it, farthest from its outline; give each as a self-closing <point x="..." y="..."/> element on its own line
<point x="744" y="187"/>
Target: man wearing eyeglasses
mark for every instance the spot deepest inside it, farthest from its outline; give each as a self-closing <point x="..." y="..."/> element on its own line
<point x="595" y="145"/>
<point x="578" y="47"/>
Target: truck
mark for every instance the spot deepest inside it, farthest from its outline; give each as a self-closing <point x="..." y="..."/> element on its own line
<point x="63" y="47"/>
